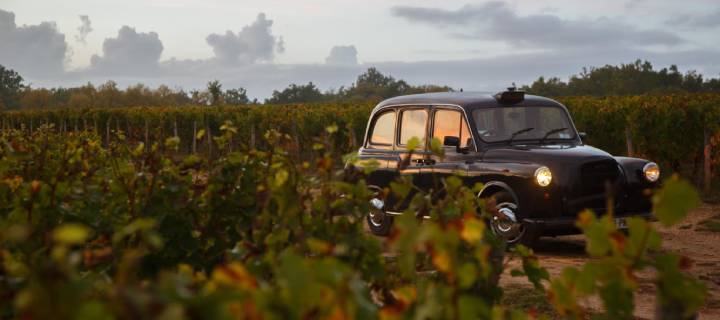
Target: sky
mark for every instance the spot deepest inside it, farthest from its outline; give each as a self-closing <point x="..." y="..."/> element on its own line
<point x="269" y="44"/>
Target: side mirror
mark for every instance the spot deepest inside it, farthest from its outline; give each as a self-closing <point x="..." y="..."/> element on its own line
<point x="582" y="135"/>
<point x="450" y="141"/>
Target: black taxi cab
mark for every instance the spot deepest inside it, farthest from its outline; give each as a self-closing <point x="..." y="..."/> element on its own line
<point x="524" y="149"/>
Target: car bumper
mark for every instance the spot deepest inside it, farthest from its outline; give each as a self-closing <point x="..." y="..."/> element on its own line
<point x="566" y="225"/>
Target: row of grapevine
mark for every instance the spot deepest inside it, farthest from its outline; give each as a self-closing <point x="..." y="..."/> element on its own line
<point x="680" y="132"/>
<point x="144" y="124"/>
<point x="95" y="232"/>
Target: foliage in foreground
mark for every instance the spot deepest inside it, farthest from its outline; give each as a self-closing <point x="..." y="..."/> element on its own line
<point x="128" y="232"/>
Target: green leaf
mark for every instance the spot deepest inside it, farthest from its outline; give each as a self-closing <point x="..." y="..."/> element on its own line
<point x="412" y="144"/>
<point x="674" y="200"/>
<point x="281" y="176"/>
<point x="71" y="233"/>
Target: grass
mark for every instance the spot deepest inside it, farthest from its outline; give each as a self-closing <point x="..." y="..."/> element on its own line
<point x="528" y="299"/>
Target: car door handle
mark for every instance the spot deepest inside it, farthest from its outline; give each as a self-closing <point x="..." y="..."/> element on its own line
<point x="424" y="161"/>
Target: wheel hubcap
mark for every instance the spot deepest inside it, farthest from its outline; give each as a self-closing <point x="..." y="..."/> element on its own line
<point x="377" y="214"/>
<point x="505" y="224"/>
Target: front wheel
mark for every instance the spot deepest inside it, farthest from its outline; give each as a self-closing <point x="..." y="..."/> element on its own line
<point x="505" y="224"/>
<point x="379" y="221"/>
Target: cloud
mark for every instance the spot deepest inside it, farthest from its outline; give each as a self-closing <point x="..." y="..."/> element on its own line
<point x="254" y="43"/>
<point x="342" y="55"/>
<point x="34" y="50"/>
<point x="498" y="22"/>
<point x="131" y="53"/>
<point x="84" y="29"/>
<point x="710" y="20"/>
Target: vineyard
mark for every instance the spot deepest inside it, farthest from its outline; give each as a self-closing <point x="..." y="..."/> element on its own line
<point x="249" y="212"/>
<point x="680" y="132"/>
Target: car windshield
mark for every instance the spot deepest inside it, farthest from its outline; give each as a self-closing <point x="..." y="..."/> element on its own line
<point x="523" y="123"/>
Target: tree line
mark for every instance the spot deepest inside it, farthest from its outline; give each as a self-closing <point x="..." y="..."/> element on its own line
<point x="15" y="95"/>
<point x="634" y="78"/>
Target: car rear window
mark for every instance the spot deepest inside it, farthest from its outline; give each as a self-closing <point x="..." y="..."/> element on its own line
<point x="383" y="131"/>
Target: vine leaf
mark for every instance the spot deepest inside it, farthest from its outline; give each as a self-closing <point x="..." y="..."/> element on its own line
<point x="674" y="200"/>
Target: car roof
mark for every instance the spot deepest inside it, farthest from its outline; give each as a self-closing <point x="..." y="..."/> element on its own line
<point x="466" y="100"/>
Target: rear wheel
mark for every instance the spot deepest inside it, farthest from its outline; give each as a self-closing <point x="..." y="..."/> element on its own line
<point x="379" y="221"/>
<point x="505" y="223"/>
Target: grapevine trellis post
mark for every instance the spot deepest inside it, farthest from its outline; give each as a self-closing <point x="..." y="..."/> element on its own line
<point x="194" y="137"/>
<point x="252" y="136"/>
<point x="353" y="140"/>
<point x="209" y="138"/>
<point x="296" y="140"/>
<point x="107" y="132"/>
<point x="629" y="142"/>
<point x="147" y="128"/>
<point x="707" y="166"/>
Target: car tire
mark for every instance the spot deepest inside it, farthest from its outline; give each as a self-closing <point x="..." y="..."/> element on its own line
<point x="513" y="233"/>
<point x="378" y="220"/>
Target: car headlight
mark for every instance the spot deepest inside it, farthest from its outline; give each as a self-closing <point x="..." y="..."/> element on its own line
<point x="651" y="171"/>
<point x="543" y="176"/>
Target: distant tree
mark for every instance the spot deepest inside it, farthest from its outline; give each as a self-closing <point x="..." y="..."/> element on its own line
<point x="164" y="96"/>
<point x="37" y="98"/>
<point x="61" y="96"/>
<point x="214" y="89"/>
<point x="200" y="97"/>
<point x="638" y="77"/>
<point x="296" y="94"/>
<point x="11" y="86"/>
<point x="79" y="100"/>
<point x="108" y="95"/>
<point x="373" y="85"/>
<point x="139" y="95"/>
<point x="83" y="96"/>
<point x="236" y="96"/>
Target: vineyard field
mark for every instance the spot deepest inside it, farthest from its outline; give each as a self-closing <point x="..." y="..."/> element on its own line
<point x="680" y="132"/>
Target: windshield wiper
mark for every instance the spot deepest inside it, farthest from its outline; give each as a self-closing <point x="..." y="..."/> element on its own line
<point x="551" y="132"/>
<point x="519" y="132"/>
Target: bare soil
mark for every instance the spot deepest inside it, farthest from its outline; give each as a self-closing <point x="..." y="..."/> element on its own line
<point x="689" y="238"/>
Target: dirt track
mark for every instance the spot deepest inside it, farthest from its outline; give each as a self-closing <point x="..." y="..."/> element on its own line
<point x="702" y="247"/>
<point x="687" y="238"/>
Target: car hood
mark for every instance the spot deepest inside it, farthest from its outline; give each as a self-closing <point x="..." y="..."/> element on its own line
<point x="549" y="155"/>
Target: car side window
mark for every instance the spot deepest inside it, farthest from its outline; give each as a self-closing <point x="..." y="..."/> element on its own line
<point x="451" y="123"/>
<point x="383" y="130"/>
<point x="413" y="124"/>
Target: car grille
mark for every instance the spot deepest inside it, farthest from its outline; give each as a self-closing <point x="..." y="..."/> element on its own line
<point x="590" y="189"/>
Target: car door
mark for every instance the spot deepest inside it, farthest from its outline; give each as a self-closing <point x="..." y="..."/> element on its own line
<point x="378" y="149"/>
<point x="447" y="121"/>
<point x="412" y="122"/>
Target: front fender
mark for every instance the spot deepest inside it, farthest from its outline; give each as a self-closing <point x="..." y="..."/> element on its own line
<point x="633" y="170"/>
